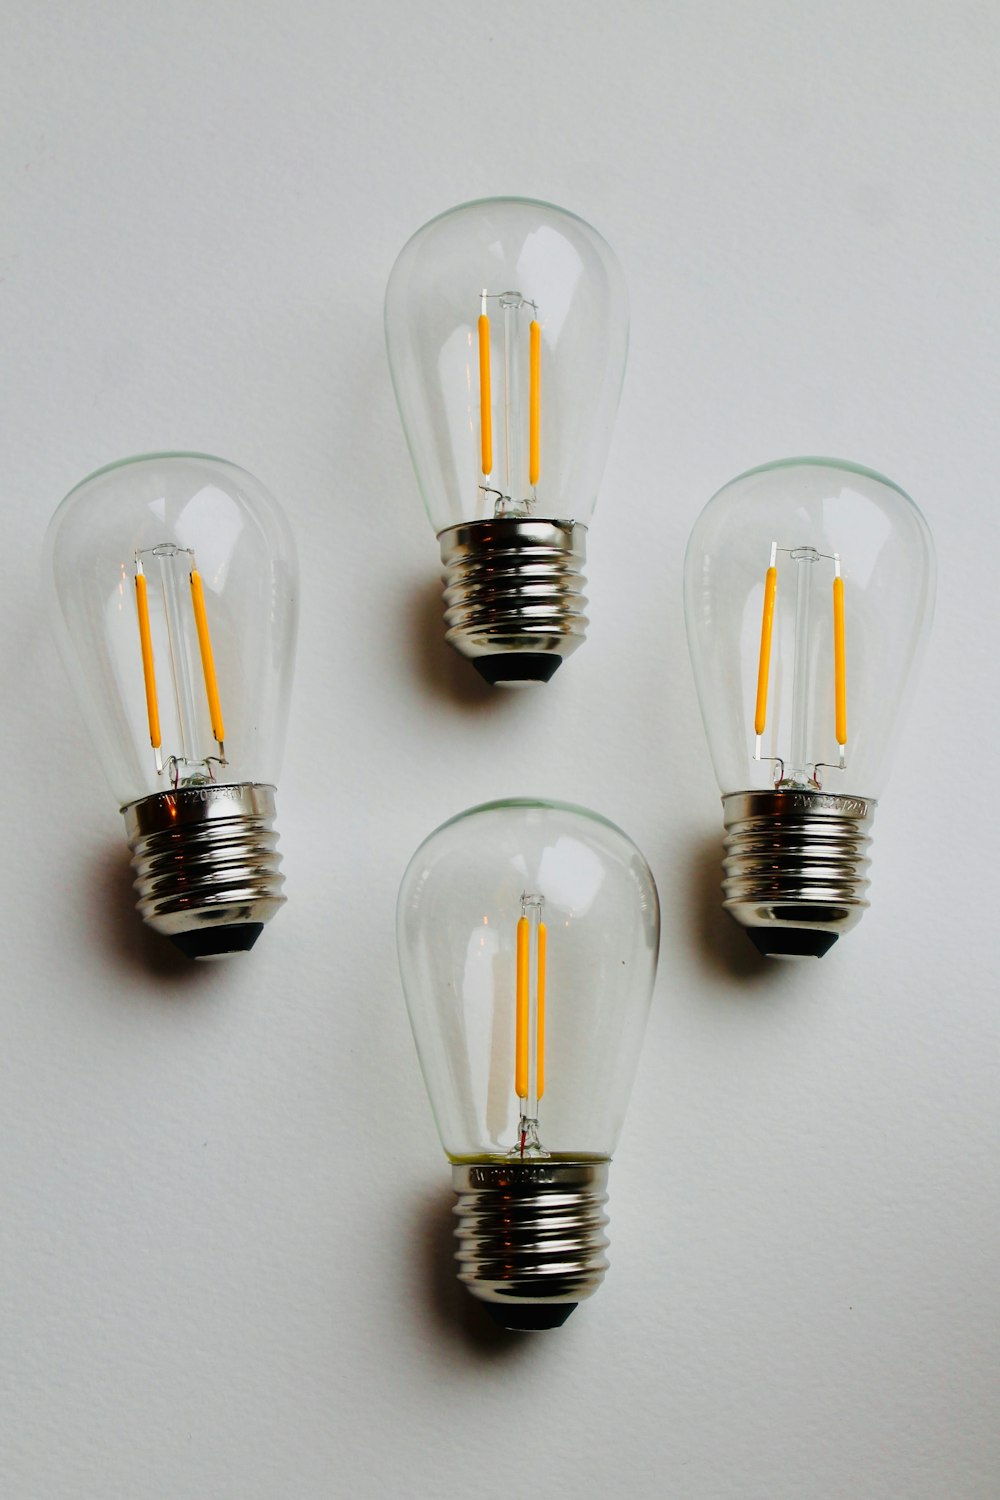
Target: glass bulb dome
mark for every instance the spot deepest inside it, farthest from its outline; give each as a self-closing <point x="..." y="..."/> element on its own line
<point x="169" y="514"/>
<point x="516" y="262"/>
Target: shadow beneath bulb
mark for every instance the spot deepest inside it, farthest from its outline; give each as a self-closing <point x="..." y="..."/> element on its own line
<point x="459" y="1315"/>
<point x="722" y="943"/>
<point x="439" y="666"/>
<point x="126" y="936"/>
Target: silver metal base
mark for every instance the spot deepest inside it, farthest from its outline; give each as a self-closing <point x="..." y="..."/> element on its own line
<point x="514" y="584"/>
<point x="531" y="1235"/>
<point x="205" y="859"/>
<point x="796" y="862"/>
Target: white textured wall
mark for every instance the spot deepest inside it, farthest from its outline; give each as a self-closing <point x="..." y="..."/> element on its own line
<point x="224" y="1230"/>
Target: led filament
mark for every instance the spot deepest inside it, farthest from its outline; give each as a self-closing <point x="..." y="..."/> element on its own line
<point x="529" y="1042"/>
<point x="186" y="767"/>
<point x="507" y="499"/>
<point x="794" y="769"/>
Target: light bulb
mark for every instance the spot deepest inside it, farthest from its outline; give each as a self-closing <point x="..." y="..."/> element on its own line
<point x="808" y="591"/>
<point x="175" y="610"/>
<point x="507" y="329"/>
<point x="528" y="936"/>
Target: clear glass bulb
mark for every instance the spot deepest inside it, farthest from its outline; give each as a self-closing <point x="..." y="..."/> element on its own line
<point x="507" y="331"/>
<point x="175" y="582"/>
<point x="808" y="590"/>
<point x="528" y="935"/>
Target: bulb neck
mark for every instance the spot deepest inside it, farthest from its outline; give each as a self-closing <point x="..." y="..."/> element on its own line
<point x="513" y="591"/>
<point x="531" y="1240"/>
<point x="796" y="867"/>
<point x="205" y="864"/>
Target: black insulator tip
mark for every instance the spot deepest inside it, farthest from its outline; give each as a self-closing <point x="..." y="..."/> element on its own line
<point x="529" y="1317"/>
<point x="216" y="942"/>
<point x="517" y="666"/>
<point x="791" y="942"/>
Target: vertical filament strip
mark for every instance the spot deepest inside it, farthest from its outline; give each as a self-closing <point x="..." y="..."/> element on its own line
<point x="522" y="1043"/>
<point x="766" y="629"/>
<point x="485" y="393"/>
<point x="839" y="660"/>
<point x="534" y="399"/>
<point x="207" y="659"/>
<point x="146" y="645"/>
<point x="540" y="1067"/>
<point x="521" y="1033"/>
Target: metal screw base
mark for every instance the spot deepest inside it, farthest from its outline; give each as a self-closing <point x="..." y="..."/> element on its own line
<point x="796" y="867"/>
<point x="205" y="864"/>
<point x="531" y="1238"/>
<point x="515" y="585"/>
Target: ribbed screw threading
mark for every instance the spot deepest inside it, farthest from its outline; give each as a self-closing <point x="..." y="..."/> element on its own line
<point x="515" y="584"/>
<point x="531" y="1232"/>
<point x="205" y="856"/>
<point x="797" y="858"/>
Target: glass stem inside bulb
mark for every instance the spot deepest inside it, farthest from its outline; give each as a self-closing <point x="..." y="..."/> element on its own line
<point x="171" y="562"/>
<point x="511" y="304"/>
<point x="796" y="772"/>
<point x="184" y="615"/>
